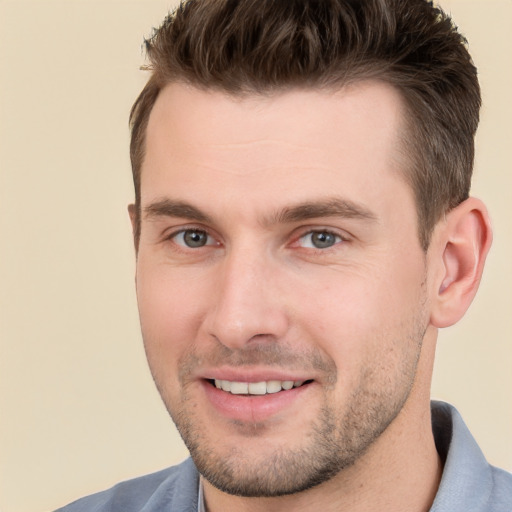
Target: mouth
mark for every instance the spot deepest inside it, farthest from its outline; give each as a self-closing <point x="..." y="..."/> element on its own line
<point x="254" y="400"/>
<point x="257" y="388"/>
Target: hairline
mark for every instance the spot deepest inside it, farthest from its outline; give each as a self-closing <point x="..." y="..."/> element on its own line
<point x="408" y="150"/>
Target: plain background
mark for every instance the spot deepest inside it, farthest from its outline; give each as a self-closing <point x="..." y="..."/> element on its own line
<point x="78" y="411"/>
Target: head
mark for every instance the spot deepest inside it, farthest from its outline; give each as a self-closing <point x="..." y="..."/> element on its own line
<point x="261" y="47"/>
<point x="291" y="164"/>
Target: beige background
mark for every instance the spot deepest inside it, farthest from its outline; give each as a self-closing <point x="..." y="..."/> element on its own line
<point x="78" y="411"/>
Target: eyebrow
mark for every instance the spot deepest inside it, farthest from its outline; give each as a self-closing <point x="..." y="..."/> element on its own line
<point x="330" y="207"/>
<point x="171" y="208"/>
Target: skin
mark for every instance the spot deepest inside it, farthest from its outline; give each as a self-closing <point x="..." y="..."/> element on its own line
<point x="357" y="319"/>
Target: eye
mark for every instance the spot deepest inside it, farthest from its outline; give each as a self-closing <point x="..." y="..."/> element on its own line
<point x="319" y="240"/>
<point x="193" y="238"/>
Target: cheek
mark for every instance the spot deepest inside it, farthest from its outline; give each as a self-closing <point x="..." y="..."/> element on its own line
<point x="359" y="317"/>
<point x="170" y="309"/>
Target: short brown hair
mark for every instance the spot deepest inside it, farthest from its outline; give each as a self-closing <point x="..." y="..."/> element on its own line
<point x="260" y="46"/>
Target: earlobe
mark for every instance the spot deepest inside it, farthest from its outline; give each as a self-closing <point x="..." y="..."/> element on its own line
<point x="462" y="247"/>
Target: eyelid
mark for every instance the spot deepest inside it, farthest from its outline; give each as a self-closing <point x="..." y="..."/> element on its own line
<point x="179" y="238"/>
<point x="342" y="236"/>
<point x="171" y="233"/>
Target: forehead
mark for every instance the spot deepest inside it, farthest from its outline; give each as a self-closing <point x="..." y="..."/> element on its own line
<point x="295" y="114"/>
<point x="302" y="141"/>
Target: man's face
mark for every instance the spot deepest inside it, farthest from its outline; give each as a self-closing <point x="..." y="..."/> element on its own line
<point x="279" y="248"/>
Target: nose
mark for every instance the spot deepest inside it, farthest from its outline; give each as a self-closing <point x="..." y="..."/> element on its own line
<point x="250" y="303"/>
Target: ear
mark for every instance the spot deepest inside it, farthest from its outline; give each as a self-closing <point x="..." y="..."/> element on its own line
<point x="462" y="241"/>
<point x="132" y="212"/>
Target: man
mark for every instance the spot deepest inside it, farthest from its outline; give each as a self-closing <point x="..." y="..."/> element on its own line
<point x="303" y="228"/>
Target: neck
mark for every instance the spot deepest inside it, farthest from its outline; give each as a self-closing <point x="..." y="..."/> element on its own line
<point x="401" y="471"/>
<point x="404" y="477"/>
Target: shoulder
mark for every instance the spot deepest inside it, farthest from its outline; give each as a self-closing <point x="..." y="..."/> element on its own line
<point x="501" y="496"/>
<point x="151" y="493"/>
<point x="469" y="482"/>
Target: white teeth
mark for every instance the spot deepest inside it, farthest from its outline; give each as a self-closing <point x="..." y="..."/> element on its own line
<point x="274" y="386"/>
<point x="256" y="388"/>
<point x="239" y="388"/>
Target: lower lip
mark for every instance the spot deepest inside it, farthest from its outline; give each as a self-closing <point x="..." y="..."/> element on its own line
<point x="255" y="408"/>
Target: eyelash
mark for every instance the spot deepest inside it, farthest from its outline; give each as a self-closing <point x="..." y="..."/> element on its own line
<point x="174" y="235"/>
<point x="182" y="231"/>
<point x="338" y="239"/>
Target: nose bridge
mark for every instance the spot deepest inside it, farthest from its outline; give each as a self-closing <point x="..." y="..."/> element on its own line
<point x="247" y="303"/>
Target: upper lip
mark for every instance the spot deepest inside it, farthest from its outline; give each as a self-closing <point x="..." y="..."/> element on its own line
<point x="253" y="375"/>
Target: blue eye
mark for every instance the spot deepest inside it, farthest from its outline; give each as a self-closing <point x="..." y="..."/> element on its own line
<point x="319" y="240"/>
<point x="193" y="238"/>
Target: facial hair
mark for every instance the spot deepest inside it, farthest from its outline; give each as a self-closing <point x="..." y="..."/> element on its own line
<point x="332" y="442"/>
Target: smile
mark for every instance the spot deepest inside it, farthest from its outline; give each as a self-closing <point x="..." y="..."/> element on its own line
<point x="249" y="399"/>
<point x="257" y="388"/>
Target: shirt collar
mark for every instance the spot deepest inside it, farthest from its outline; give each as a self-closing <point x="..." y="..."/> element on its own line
<point x="200" y="501"/>
<point x="467" y="481"/>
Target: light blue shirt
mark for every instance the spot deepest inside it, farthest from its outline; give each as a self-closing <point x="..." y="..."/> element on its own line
<point x="200" y="504"/>
<point x="469" y="483"/>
